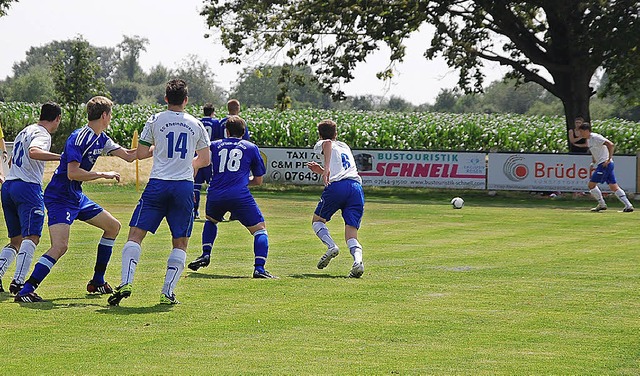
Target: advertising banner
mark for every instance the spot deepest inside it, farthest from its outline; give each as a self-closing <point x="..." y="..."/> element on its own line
<point x="385" y="168"/>
<point x="553" y="172"/>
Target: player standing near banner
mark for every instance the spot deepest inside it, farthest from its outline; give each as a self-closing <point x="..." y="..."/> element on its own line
<point x="343" y="191"/>
<point x="66" y="202"/>
<point x="204" y="174"/>
<point x="234" y="160"/>
<point x="602" y="154"/>
<point x="172" y="137"/>
<point x="22" y="199"/>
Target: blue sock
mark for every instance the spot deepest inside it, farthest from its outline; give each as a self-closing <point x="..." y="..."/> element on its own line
<point x="105" y="247"/>
<point x="209" y="235"/>
<point x="260" y="249"/>
<point x="40" y="271"/>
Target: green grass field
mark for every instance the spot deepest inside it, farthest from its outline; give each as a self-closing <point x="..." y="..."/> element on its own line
<point x="512" y="284"/>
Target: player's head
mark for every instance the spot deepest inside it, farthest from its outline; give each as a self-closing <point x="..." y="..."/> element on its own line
<point x="98" y="107"/>
<point x="233" y="106"/>
<point x="235" y="126"/>
<point x="327" y="129"/>
<point x="176" y="92"/>
<point x="209" y="109"/>
<point x="585" y="128"/>
<point x="578" y="120"/>
<point x="50" y="111"/>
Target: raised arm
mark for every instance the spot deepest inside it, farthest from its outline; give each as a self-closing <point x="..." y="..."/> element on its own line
<point x="42" y="155"/>
<point x="74" y="172"/>
<point x="128" y="155"/>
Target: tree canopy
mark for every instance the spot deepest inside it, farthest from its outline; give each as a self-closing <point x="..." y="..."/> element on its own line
<point x="557" y="44"/>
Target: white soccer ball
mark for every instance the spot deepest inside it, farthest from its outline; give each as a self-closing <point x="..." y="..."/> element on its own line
<point x="457" y="203"/>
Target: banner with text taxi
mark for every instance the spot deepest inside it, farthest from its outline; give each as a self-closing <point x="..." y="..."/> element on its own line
<point x="553" y="172"/>
<point x="429" y="169"/>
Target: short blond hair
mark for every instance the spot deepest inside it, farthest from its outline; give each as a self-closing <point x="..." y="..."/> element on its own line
<point x="233" y="106"/>
<point x="97" y="106"/>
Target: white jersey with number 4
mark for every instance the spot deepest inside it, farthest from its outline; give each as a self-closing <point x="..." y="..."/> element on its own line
<point x="176" y="136"/>
<point x="22" y="167"/>
<point x="597" y="147"/>
<point x="342" y="164"/>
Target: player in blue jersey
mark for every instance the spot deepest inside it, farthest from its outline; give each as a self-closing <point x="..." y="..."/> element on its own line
<point x="343" y="191"/>
<point x="208" y="231"/>
<point x="66" y="202"/>
<point x="172" y="137"/>
<point x="234" y="160"/>
<point x="204" y="174"/>
<point x="22" y="199"/>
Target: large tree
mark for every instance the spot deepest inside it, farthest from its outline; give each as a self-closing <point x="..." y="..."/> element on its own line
<point x="4" y="6"/>
<point x="558" y="44"/>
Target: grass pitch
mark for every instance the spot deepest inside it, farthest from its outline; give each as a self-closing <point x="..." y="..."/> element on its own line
<point x="512" y="284"/>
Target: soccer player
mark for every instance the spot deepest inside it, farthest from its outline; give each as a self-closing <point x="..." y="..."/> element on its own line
<point x="234" y="160"/>
<point x="172" y="137"/>
<point x="233" y="107"/>
<point x="65" y="201"/>
<point x="602" y="155"/>
<point x="22" y="199"/>
<point x="204" y="174"/>
<point x="343" y="190"/>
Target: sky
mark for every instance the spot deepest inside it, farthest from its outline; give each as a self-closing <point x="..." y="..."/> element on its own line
<point x="175" y="30"/>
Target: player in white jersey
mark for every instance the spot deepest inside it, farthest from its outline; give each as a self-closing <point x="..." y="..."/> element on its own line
<point x="602" y="154"/>
<point x="172" y="137"/>
<point x="22" y="200"/>
<point x="343" y="191"/>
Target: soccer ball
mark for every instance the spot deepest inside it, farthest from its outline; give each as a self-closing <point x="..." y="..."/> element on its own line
<point x="457" y="203"/>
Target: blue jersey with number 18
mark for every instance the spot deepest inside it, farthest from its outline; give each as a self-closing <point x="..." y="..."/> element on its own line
<point x="233" y="160"/>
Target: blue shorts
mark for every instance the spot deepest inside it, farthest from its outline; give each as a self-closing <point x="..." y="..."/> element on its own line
<point x="165" y="199"/>
<point x="203" y="175"/>
<point x="61" y="211"/>
<point x="345" y="195"/>
<point x="604" y="174"/>
<point x="243" y="208"/>
<point x="23" y="207"/>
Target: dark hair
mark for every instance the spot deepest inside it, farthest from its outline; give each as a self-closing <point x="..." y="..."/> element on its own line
<point x="233" y="106"/>
<point x="97" y="106"/>
<point x="236" y="126"/>
<point x="50" y="111"/>
<point x="579" y="117"/>
<point x="327" y="129"/>
<point x="176" y="91"/>
<point x="585" y="127"/>
<point x="209" y="109"/>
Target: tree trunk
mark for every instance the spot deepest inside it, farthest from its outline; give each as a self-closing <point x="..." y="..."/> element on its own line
<point x="574" y="93"/>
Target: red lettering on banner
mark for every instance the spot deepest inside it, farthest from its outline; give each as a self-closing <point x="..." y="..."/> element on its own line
<point x="420" y="170"/>
<point x="559" y="171"/>
<point x="389" y="171"/>
<point x="407" y="169"/>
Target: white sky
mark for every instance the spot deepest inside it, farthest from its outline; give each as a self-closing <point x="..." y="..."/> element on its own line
<point x="175" y="29"/>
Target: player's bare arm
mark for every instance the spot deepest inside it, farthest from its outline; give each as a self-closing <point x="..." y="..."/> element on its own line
<point x="315" y="167"/>
<point x="128" y="155"/>
<point x="74" y="172"/>
<point x="144" y="151"/>
<point x="42" y="155"/>
<point x="202" y="158"/>
<point x="326" y="151"/>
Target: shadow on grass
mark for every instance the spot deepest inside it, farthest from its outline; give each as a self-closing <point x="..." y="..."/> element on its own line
<point x="120" y="310"/>
<point x="49" y="304"/>
<point x="314" y="275"/>
<point x="215" y="276"/>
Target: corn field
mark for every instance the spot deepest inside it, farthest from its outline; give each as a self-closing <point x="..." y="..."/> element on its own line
<point x="372" y="130"/>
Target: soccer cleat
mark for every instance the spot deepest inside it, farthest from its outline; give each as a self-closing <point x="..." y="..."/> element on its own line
<point x="200" y="262"/>
<point x="326" y="258"/>
<point x="31" y="297"/>
<point x="356" y="270"/>
<point x="599" y="208"/>
<point x="15" y="287"/>
<point x="627" y="210"/>
<point x="121" y="292"/>
<point x="99" y="289"/>
<point x="166" y="299"/>
<point x="265" y="274"/>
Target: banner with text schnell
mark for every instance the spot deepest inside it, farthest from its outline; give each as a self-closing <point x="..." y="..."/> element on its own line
<point x="385" y="168"/>
<point x="553" y="172"/>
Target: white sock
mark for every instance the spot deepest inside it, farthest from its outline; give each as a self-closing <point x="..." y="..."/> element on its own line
<point x="24" y="259"/>
<point x="356" y="249"/>
<point x="597" y="194"/>
<point x="623" y="198"/>
<point x="7" y="255"/>
<point x="175" y="266"/>
<point x="130" y="257"/>
<point x="322" y="232"/>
